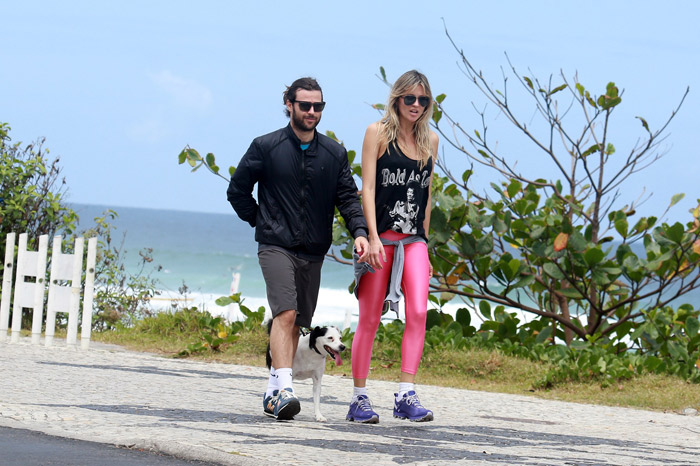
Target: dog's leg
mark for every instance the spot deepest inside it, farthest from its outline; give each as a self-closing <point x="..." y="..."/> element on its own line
<point x="317" y="397"/>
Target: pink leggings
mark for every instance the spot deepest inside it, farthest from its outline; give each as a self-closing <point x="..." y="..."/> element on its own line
<point x="371" y="299"/>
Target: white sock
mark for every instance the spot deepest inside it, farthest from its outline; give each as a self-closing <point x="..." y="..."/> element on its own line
<point x="271" y="383"/>
<point x="357" y="391"/>
<point x="284" y="378"/>
<point x="404" y="387"/>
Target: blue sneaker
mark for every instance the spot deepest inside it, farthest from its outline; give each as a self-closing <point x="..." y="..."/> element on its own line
<point x="269" y="404"/>
<point x="286" y="405"/>
<point x="361" y="411"/>
<point x="409" y="407"/>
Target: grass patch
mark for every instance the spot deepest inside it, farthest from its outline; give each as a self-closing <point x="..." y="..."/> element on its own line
<point x="476" y="369"/>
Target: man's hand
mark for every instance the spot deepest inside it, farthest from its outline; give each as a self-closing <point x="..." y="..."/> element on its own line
<point x="362" y="248"/>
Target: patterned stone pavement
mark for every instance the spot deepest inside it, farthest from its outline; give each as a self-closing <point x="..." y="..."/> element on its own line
<point x="213" y="412"/>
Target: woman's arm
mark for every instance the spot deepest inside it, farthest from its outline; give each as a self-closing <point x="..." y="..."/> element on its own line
<point x="370" y="154"/>
<point x="434" y="140"/>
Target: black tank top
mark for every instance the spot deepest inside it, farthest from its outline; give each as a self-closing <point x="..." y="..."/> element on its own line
<point x="401" y="195"/>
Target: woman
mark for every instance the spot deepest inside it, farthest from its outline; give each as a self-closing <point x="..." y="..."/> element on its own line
<point x="398" y="155"/>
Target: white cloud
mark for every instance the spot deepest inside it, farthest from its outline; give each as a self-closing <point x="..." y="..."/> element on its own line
<point x="186" y="93"/>
<point x="148" y="130"/>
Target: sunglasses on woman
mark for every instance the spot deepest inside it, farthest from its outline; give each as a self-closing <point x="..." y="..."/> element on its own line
<point x="306" y="106"/>
<point x="410" y="99"/>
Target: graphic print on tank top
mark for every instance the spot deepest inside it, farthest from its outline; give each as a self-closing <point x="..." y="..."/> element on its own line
<point x="405" y="213"/>
<point x="402" y="190"/>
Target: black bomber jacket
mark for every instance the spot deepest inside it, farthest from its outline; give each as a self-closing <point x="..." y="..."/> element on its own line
<point x="298" y="191"/>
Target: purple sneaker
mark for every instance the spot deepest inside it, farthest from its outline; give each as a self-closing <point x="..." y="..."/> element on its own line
<point x="409" y="407"/>
<point x="361" y="411"/>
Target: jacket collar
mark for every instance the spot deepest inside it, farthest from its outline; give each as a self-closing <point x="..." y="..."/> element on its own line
<point x="297" y="142"/>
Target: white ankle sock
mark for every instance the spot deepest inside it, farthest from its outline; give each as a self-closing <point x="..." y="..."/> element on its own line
<point x="284" y="378"/>
<point x="271" y="383"/>
<point x="404" y="387"/>
<point x="357" y="391"/>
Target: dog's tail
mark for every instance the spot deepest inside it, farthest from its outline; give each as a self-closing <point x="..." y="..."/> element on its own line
<point x="268" y="355"/>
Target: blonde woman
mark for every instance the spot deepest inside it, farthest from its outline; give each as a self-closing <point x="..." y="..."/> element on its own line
<point x="398" y="155"/>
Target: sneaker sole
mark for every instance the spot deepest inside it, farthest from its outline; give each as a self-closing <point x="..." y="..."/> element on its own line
<point x="372" y="420"/>
<point x="288" y="411"/>
<point x="428" y="417"/>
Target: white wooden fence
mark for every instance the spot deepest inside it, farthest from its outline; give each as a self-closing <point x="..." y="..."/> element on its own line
<point x="30" y="288"/>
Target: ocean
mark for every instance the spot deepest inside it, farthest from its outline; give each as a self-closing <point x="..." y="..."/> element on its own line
<point x="203" y="251"/>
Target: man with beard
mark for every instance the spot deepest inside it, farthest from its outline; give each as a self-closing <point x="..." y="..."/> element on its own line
<point x="302" y="177"/>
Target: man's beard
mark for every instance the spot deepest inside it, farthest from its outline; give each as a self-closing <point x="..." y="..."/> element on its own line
<point x="299" y="122"/>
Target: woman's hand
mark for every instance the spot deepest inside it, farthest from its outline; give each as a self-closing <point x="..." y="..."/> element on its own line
<point x="376" y="255"/>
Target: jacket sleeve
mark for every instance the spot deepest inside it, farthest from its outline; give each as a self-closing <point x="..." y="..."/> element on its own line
<point x="348" y="202"/>
<point x="240" y="188"/>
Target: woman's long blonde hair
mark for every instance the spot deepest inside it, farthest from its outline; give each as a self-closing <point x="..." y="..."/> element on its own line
<point x="389" y="127"/>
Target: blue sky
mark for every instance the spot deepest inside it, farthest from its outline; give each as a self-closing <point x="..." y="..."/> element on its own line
<point x="119" y="88"/>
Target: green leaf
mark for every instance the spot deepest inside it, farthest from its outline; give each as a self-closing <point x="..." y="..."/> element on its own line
<point x="514" y="188"/>
<point x="590" y="150"/>
<point x="551" y="269"/>
<point x="692" y="325"/>
<point x="224" y="301"/>
<point x="570" y="293"/>
<point x="557" y="89"/>
<point x="621" y="226"/>
<point x="580" y="89"/>
<point x="440" y="98"/>
<point x="675" y="232"/>
<point x="644" y="123"/>
<point x="677" y="198"/>
<point x="464" y="317"/>
<point x="437" y="114"/>
<point x="484" y="245"/>
<point x="593" y="256"/>
<point x="193" y="155"/>
<point x="485" y="309"/>
<point x="529" y="82"/>
<point x="544" y="335"/>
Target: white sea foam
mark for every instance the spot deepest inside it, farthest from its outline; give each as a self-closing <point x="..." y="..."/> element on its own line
<point x="334" y="307"/>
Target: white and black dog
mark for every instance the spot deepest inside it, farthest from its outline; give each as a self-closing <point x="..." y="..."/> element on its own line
<point x="310" y="358"/>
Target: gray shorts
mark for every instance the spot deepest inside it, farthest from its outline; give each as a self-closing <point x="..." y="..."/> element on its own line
<point x="291" y="283"/>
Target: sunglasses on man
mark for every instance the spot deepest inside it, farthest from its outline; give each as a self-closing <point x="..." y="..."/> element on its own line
<point x="410" y="99"/>
<point x="306" y="106"/>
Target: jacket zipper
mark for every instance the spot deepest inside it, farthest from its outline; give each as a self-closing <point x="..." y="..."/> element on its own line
<point x="302" y="200"/>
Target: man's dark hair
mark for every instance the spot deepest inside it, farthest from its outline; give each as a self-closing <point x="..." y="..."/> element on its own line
<point x="290" y="94"/>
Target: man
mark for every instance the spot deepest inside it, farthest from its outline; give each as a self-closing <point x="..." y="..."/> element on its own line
<point x="302" y="177"/>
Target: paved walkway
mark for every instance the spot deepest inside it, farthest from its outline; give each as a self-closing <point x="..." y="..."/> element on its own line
<point x="213" y="412"/>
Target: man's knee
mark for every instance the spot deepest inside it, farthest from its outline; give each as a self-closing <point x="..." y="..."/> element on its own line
<point x="285" y="319"/>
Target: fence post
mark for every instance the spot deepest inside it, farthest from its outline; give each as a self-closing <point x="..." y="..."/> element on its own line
<point x="64" y="298"/>
<point x="88" y="293"/>
<point x="7" y="285"/>
<point x="31" y="295"/>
